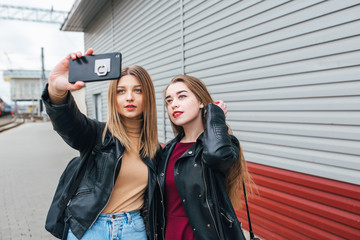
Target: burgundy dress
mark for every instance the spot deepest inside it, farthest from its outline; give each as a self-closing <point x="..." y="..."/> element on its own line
<point x="177" y="222"/>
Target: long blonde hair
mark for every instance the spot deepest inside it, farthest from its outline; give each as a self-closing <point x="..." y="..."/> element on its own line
<point x="148" y="142"/>
<point x="238" y="173"/>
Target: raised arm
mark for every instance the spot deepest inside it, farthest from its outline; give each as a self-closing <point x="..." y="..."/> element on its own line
<point x="74" y="127"/>
<point x="221" y="150"/>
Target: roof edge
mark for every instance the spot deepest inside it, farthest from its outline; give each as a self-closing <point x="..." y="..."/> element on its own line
<point x="81" y="14"/>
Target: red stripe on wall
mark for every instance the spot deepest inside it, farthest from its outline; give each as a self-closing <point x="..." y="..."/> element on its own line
<point x="311" y="194"/>
<point x="323" y="184"/>
<point x="293" y="205"/>
<point x="330" y="226"/>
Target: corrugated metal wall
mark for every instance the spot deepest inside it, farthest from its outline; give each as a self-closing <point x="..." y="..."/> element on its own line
<point x="289" y="72"/>
<point x="147" y="33"/>
<point x="293" y="205"/>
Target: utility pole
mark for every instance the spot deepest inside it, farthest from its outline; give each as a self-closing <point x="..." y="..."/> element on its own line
<point x="42" y="82"/>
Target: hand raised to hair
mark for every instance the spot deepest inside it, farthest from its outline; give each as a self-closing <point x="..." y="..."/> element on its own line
<point x="222" y="105"/>
<point x="59" y="76"/>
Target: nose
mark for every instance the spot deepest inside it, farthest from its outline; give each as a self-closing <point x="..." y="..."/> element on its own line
<point x="129" y="96"/>
<point x="174" y="104"/>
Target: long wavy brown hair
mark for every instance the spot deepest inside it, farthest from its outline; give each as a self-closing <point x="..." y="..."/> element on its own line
<point x="238" y="173"/>
<point x="148" y="142"/>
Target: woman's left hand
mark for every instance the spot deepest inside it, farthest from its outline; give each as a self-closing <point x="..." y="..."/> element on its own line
<point x="222" y="105"/>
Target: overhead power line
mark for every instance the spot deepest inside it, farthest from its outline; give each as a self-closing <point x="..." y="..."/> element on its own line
<point x="42" y="15"/>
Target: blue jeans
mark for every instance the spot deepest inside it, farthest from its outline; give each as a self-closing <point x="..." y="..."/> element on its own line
<point x="117" y="226"/>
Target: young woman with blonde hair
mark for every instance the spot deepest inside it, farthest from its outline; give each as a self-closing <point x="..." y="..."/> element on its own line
<point x="121" y="177"/>
<point x="202" y="168"/>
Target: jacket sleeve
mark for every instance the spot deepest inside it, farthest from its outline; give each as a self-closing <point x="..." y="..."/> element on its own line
<point x="221" y="150"/>
<point x="75" y="128"/>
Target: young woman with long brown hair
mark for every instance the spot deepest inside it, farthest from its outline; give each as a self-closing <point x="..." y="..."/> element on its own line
<point x="121" y="177"/>
<point x="202" y="168"/>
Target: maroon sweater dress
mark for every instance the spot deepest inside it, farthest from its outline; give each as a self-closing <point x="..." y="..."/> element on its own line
<point x="177" y="222"/>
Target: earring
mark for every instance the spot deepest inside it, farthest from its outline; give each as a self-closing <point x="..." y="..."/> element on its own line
<point x="201" y="105"/>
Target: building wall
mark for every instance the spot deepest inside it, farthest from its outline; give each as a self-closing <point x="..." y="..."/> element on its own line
<point x="25" y="89"/>
<point x="289" y="72"/>
<point x="147" y="34"/>
<point x="79" y="96"/>
<point x="293" y="205"/>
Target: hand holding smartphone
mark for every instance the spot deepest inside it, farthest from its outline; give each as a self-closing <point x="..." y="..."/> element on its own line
<point x="99" y="67"/>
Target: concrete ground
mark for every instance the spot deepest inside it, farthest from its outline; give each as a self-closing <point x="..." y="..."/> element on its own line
<point x="32" y="157"/>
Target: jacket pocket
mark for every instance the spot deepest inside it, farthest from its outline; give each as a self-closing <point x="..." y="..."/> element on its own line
<point x="81" y="198"/>
<point x="82" y="192"/>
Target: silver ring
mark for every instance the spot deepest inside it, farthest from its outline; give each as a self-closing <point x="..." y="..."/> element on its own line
<point x="101" y="67"/>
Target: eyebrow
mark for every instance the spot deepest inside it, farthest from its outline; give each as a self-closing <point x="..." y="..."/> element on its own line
<point x="125" y="86"/>
<point x="177" y="93"/>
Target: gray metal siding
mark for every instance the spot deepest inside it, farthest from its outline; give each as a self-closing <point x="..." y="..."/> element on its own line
<point x="98" y="35"/>
<point x="289" y="71"/>
<point x="147" y="34"/>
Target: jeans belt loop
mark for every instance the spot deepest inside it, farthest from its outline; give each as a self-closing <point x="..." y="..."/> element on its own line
<point x="129" y="219"/>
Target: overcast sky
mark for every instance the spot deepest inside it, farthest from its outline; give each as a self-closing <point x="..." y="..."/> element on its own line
<point x="21" y="42"/>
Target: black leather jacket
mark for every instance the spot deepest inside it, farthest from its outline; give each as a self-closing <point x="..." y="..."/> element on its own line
<point x="94" y="191"/>
<point x="200" y="179"/>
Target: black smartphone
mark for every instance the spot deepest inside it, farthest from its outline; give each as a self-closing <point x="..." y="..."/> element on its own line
<point x="98" y="67"/>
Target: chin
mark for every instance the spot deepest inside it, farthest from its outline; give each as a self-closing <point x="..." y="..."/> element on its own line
<point x="178" y="123"/>
<point x="131" y="115"/>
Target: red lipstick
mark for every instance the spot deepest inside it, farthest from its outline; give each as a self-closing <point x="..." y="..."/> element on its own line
<point x="177" y="114"/>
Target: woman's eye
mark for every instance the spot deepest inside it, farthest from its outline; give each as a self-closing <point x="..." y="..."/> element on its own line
<point x="168" y="101"/>
<point x="138" y="90"/>
<point x="120" y="91"/>
<point x="182" y="96"/>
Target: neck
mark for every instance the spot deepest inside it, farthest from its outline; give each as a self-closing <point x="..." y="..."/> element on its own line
<point x="192" y="131"/>
<point x="132" y="126"/>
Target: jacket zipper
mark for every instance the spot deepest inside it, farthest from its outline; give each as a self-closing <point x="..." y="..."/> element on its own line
<point x="207" y="201"/>
<point x="110" y="194"/>
<point x="162" y="204"/>
<point x="154" y="225"/>
<point x="229" y="220"/>
<point x="153" y="215"/>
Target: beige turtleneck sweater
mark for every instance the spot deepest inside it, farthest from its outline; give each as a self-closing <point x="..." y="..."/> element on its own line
<point x="132" y="180"/>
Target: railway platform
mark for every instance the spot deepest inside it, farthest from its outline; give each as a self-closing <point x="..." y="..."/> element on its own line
<point x="33" y="156"/>
<point x="32" y="159"/>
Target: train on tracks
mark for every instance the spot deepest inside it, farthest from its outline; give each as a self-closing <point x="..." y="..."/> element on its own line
<point x="5" y="109"/>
